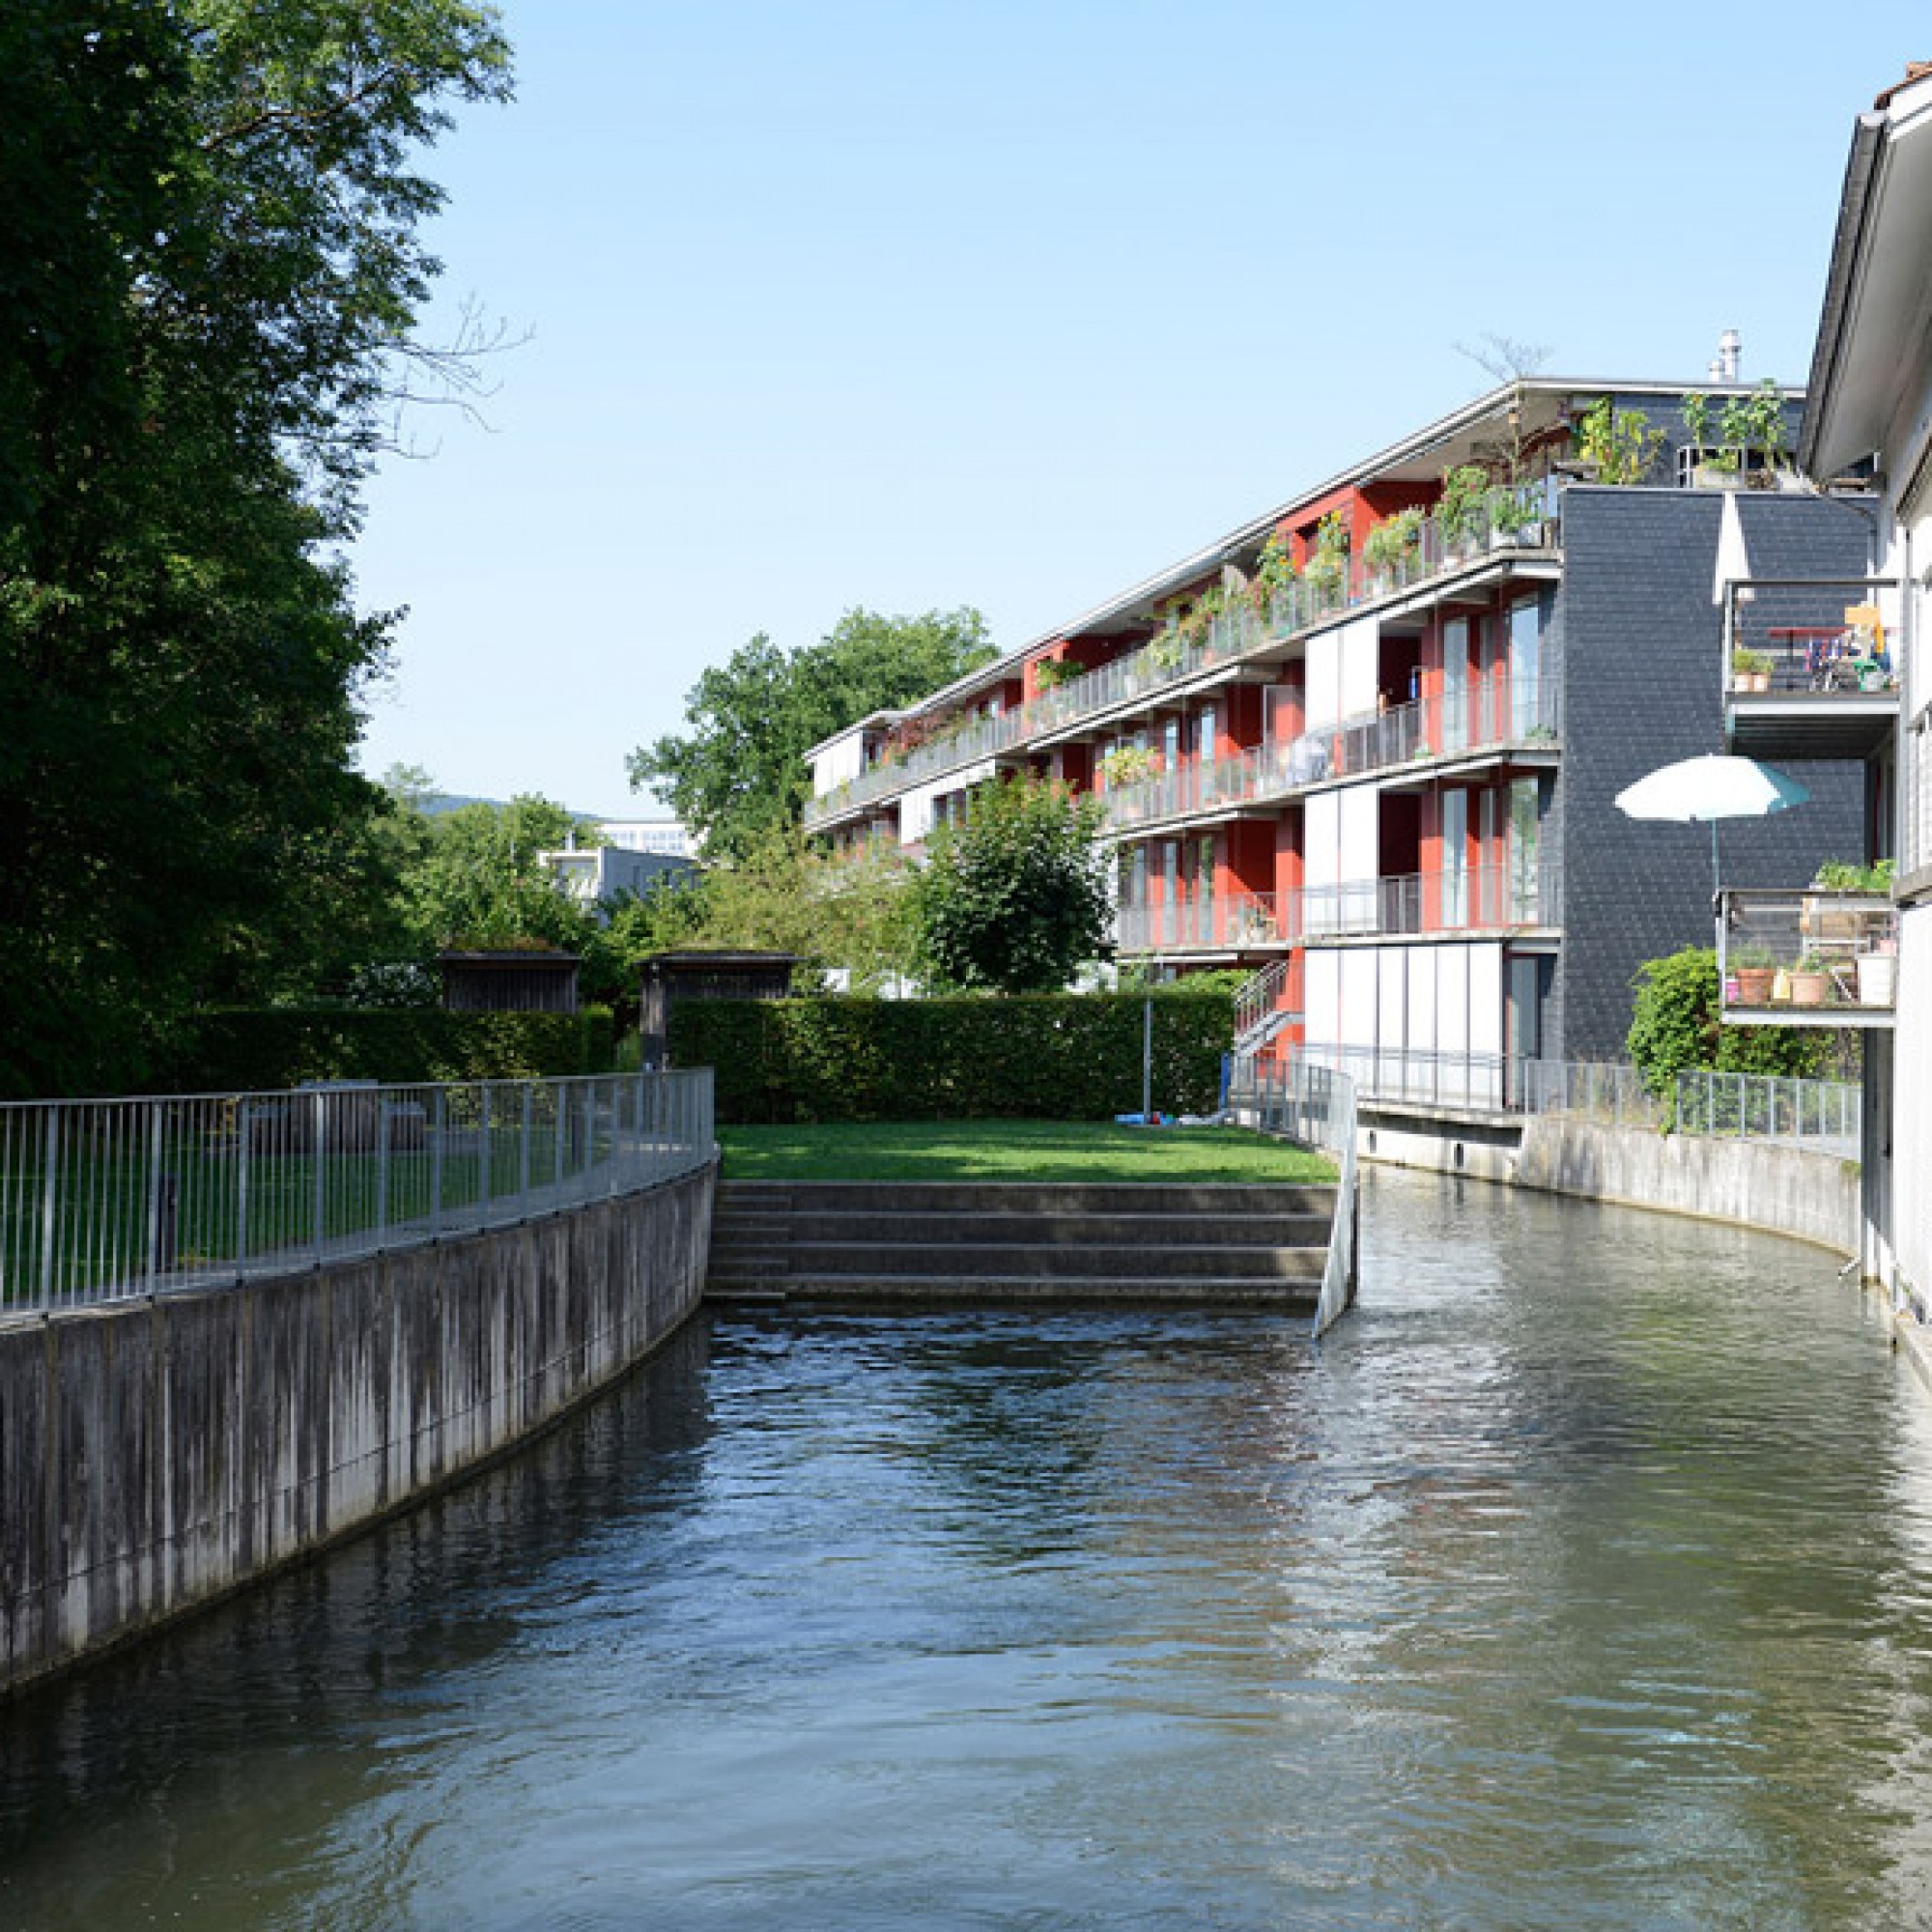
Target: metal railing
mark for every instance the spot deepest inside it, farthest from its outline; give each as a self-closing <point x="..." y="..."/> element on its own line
<point x="1316" y="1106"/>
<point x="1505" y="521"/>
<point x="1225" y="922"/>
<point x="1478" y="898"/>
<point x="1820" y="1115"/>
<point x="1486" y="715"/>
<point x="108" y="1200"/>
<point x="1811" y="953"/>
<point x="1813" y="634"/>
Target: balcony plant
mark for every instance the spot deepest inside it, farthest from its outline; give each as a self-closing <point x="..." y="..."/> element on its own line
<point x="1393" y="547"/>
<point x="1274" y="573"/>
<point x="1050" y="673"/>
<point x="1516" y="516"/>
<point x="1844" y="875"/>
<point x="1129" y="765"/>
<point x="1616" y="446"/>
<point x="1809" y="981"/>
<point x="1750" y="670"/>
<point x="1327" y="564"/>
<point x="1458" y="512"/>
<point x="1754" y="968"/>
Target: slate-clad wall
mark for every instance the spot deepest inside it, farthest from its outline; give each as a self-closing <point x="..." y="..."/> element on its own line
<point x="1642" y="686"/>
<point x="156" y="1455"/>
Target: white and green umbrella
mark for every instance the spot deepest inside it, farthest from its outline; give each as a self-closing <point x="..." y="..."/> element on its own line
<point x="1694" y="790"/>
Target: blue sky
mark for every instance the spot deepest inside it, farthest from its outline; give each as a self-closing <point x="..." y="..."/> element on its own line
<point x="935" y="303"/>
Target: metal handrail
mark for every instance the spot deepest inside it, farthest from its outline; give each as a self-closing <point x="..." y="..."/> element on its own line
<point x="114" y="1199"/>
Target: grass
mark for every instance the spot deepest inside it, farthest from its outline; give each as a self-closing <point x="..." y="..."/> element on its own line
<point x="1011" y="1150"/>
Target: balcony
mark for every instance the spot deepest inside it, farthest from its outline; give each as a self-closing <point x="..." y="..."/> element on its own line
<point x="1226" y="923"/>
<point x="1808" y="958"/>
<point x="1482" y="898"/>
<point x="1505" y="523"/>
<point x="1489" y="717"/>
<point x="1808" y="666"/>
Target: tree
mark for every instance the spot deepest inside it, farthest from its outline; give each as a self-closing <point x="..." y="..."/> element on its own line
<point x="737" y="772"/>
<point x="1014" y="899"/>
<point x="211" y="267"/>
<point x="782" y="894"/>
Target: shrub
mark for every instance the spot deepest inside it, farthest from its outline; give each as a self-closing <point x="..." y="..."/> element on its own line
<point x="1675" y="1026"/>
<point x="1037" y="1056"/>
<point x="259" y="1051"/>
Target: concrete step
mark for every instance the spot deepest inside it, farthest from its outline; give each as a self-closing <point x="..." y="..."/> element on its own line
<point x="1023" y="1258"/>
<point x="861" y="1292"/>
<point x="981" y="1229"/>
<point x="1005" y="1197"/>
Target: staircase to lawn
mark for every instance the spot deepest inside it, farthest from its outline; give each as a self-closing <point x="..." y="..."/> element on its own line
<point x="864" y="1242"/>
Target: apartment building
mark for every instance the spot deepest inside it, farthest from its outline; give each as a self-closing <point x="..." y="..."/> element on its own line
<point x="1367" y="745"/>
<point x="1869" y="413"/>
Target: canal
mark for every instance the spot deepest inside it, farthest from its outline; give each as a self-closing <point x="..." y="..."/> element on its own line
<point x="1583" y="1579"/>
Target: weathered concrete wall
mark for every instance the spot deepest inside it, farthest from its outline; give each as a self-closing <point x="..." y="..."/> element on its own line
<point x="155" y="1455"/>
<point x="1813" y="1197"/>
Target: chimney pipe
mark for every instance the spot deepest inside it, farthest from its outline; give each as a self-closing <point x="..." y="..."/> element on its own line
<point x="1730" y="354"/>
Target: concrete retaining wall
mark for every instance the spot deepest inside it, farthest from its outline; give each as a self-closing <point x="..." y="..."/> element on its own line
<point x="1813" y="1197"/>
<point x="156" y="1455"/>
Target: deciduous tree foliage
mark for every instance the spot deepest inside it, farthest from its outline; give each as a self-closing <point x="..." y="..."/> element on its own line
<point x="737" y="772"/>
<point x="1014" y="900"/>
<point x="210" y="270"/>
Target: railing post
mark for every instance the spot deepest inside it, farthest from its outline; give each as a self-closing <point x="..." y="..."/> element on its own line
<point x="439" y="1118"/>
<point x="383" y="1168"/>
<point x="523" y="1156"/>
<point x="50" y="1141"/>
<point x="319" y="1192"/>
<point x="245" y="1129"/>
<point x="154" y="1191"/>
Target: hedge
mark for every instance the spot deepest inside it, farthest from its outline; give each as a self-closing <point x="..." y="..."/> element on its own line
<point x="1037" y="1055"/>
<point x="264" y="1051"/>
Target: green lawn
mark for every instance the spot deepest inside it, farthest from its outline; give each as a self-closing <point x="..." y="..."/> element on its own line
<point x="1010" y="1150"/>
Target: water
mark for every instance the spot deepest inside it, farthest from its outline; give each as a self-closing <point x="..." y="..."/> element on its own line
<point x="1580" y="1579"/>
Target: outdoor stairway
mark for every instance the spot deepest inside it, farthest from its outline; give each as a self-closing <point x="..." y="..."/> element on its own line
<point x="879" y="1241"/>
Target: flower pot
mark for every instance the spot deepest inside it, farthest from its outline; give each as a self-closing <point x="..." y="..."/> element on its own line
<point x="1755" y="986"/>
<point x="1877" y="979"/>
<point x="1807" y="989"/>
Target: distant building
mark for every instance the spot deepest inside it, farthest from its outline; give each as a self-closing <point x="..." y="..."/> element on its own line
<point x="665" y="837"/>
<point x="592" y="874"/>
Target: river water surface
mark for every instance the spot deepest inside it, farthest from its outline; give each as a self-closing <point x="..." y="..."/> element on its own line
<point x="1583" y="1579"/>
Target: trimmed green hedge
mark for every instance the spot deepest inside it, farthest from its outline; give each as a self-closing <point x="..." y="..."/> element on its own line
<point x="1037" y="1056"/>
<point x="264" y="1051"/>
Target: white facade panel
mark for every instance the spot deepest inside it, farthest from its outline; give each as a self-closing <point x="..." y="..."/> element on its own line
<point x="1421" y="996"/>
<point x="1321" y="997"/>
<point x="1392" y="996"/>
<point x="1361" y="667"/>
<point x="1358" y="832"/>
<point x="841" y="760"/>
<point x="1452" y="998"/>
<point x="1486" y="999"/>
<point x="1358" y="995"/>
<point x="1323" y="691"/>
<point x="1911" y="1102"/>
<point x="1322" y="840"/>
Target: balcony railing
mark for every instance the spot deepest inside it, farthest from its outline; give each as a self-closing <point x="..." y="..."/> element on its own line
<point x="1506" y="519"/>
<point x="1818" y="636"/>
<point x="1484" y="717"/>
<point x="1228" y="921"/>
<point x="1807" y="957"/>
<point x="1481" y="899"/>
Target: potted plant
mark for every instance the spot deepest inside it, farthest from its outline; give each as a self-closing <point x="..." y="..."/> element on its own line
<point x="1458" y="512"/>
<point x="1515" y="517"/>
<point x="1392" y="547"/>
<point x="1809" y="982"/>
<point x="1327" y="565"/>
<point x="1128" y="765"/>
<point x="1750" y="670"/>
<point x="1754" y="969"/>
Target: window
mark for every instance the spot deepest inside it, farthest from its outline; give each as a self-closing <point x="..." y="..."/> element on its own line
<point x="1525" y="665"/>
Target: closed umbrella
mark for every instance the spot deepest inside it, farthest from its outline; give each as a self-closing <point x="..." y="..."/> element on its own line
<point x="1711" y="787"/>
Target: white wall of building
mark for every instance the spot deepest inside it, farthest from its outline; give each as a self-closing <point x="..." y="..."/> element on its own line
<point x="916" y="807"/>
<point x="1343" y="666"/>
<point x="838" y="761"/>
